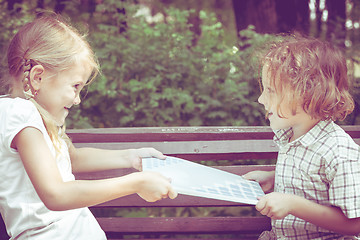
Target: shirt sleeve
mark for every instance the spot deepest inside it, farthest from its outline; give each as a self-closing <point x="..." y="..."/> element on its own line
<point x="344" y="173"/>
<point x="19" y="114"/>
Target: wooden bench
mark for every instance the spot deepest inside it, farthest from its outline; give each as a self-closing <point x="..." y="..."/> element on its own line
<point x="233" y="149"/>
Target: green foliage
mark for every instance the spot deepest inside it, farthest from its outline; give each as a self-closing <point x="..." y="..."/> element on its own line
<point x="162" y="74"/>
<point x="154" y="74"/>
<point x="10" y="22"/>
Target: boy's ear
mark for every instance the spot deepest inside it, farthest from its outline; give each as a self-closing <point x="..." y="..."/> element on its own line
<point x="36" y="75"/>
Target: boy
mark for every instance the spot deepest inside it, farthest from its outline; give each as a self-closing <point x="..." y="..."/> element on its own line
<point x="317" y="177"/>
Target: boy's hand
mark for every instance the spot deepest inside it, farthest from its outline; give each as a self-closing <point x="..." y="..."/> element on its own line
<point x="275" y="205"/>
<point x="136" y="156"/>
<point x="264" y="178"/>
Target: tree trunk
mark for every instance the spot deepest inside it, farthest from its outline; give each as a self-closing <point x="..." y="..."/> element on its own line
<point x="273" y="16"/>
<point x="59" y="6"/>
<point x="293" y="15"/>
<point x="336" y="30"/>
<point x="40" y="4"/>
<point x="302" y="16"/>
<point x="11" y="4"/>
<point x="259" y="13"/>
<point x="286" y="15"/>
<point x="318" y="19"/>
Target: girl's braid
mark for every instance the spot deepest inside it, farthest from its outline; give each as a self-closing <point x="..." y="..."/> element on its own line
<point x="26" y="80"/>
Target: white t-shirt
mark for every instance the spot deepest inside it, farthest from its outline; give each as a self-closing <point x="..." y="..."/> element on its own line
<point x="24" y="214"/>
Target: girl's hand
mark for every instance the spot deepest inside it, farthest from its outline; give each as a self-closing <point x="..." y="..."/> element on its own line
<point x="264" y="178"/>
<point x="136" y="155"/>
<point x="153" y="187"/>
<point x="275" y="205"/>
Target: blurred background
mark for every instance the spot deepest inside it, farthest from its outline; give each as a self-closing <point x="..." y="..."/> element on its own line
<point x="187" y="62"/>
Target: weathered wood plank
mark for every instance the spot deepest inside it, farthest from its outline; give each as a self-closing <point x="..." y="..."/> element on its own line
<point x="180" y="201"/>
<point x="236" y="169"/>
<point x="198" y="225"/>
<point x="148" y="134"/>
<point x="153" y="134"/>
<point x="193" y="147"/>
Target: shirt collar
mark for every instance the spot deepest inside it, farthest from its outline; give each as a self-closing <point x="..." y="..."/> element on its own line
<point x="282" y="136"/>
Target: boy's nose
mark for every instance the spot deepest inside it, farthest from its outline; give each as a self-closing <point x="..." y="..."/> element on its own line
<point x="260" y="99"/>
<point x="77" y="100"/>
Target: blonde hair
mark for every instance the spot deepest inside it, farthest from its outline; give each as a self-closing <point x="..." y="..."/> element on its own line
<point x="310" y="72"/>
<point x="51" y="42"/>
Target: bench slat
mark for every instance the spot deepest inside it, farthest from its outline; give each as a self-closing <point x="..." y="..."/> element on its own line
<point x="180" y="201"/>
<point x="199" y="225"/>
<point x="199" y="147"/>
<point x="235" y="169"/>
<point x="156" y="134"/>
<point x="230" y="146"/>
<point x="153" y="134"/>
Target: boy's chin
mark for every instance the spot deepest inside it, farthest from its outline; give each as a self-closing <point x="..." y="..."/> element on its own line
<point x="275" y="127"/>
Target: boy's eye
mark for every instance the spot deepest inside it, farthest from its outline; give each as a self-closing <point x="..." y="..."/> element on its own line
<point x="269" y="90"/>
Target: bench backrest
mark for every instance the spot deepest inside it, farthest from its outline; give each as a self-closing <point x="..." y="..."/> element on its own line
<point x="228" y="148"/>
<point x="235" y="145"/>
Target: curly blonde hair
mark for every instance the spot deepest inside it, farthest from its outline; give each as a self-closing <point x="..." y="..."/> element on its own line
<point x="310" y="72"/>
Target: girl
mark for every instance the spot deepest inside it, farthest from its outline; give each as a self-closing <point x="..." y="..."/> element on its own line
<point x="317" y="177"/>
<point x="49" y="63"/>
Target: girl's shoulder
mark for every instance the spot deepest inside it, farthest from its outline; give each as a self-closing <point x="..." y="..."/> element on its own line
<point x="17" y="108"/>
<point x="15" y="103"/>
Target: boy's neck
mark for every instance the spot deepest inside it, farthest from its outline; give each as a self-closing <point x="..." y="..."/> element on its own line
<point x="306" y="124"/>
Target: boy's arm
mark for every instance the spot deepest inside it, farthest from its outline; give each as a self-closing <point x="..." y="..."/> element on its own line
<point x="279" y="205"/>
<point x="328" y="217"/>
<point x="93" y="159"/>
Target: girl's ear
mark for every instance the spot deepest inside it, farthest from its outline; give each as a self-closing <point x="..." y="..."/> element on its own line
<point x="36" y="74"/>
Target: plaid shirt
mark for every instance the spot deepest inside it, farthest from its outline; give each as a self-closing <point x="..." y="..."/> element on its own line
<point x="322" y="166"/>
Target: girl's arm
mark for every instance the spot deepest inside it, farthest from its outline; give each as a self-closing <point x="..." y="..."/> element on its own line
<point x="279" y="205"/>
<point x="93" y="159"/>
<point x="56" y="194"/>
